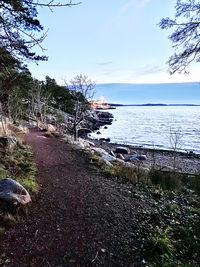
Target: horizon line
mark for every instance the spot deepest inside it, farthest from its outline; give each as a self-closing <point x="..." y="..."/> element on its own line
<point x="148" y="83"/>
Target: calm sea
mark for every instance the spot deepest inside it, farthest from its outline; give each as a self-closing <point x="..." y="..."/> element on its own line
<point x="150" y="127"/>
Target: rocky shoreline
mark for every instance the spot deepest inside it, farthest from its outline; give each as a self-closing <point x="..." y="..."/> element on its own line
<point x="188" y="163"/>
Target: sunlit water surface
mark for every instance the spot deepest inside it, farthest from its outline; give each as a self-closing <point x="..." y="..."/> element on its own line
<point x="150" y="126"/>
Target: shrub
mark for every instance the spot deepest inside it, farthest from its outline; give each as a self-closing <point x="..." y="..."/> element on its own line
<point x="161" y="241"/>
<point x="167" y="180"/>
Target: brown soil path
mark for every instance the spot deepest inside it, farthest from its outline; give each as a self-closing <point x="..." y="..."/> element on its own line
<point x="79" y="218"/>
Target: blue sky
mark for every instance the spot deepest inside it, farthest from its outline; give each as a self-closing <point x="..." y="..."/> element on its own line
<point x="164" y="93"/>
<point x="111" y="41"/>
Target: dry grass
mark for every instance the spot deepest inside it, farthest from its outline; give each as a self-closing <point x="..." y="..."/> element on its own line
<point x="122" y="171"/>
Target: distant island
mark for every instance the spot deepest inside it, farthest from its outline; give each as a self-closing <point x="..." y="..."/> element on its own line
<point x="149" y="104"/>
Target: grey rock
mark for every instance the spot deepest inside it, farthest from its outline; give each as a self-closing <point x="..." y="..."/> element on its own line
<point x="11" y="192"/>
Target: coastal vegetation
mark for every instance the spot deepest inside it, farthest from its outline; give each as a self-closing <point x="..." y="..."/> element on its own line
<point x="168" y="228"/>
<point x="17" y="164"/>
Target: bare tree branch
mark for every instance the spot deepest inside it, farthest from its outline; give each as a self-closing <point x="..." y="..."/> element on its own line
<point x="186" y="36"/>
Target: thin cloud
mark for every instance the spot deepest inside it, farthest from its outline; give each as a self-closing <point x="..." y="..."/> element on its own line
<point x="105" y="63"/>
<point x="149" y="70"/>
<point x="135" y="4"/>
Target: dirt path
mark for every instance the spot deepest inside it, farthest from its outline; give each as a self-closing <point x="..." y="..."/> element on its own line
<point x="79" y="218"/>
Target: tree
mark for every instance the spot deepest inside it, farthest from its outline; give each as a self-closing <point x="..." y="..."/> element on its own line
<point x="186" y="36"/>
<point x="19" y="25"/>
<point x="60" y="96"/>
<point x="175" y="139"/>
<point x="83" y="90"/>
<point x="13" y="75"/>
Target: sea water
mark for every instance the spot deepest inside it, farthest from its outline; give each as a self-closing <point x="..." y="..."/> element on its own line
<point x="155" y="126"/>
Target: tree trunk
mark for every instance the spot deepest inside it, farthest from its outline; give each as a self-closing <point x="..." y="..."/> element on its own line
<point x="75" y="131"/>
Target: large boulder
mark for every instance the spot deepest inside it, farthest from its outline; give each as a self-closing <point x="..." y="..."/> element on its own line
<point x="83" y="132"/>
<point x="12" y="193"/>
<point x="8" y="142"/>
<point x="122" y="150"/>
<point x="104" y="115"/>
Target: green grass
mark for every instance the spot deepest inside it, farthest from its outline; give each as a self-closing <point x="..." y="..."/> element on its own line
<point x="19" y="165"/>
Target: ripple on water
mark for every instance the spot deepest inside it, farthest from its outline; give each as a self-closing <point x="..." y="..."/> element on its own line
<point x="150" y="126"/>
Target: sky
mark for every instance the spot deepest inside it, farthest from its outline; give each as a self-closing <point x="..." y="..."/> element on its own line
<point x="111" y="41"/>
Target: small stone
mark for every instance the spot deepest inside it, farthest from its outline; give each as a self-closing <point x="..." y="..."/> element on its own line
<point x="142" y="157"/>
<point x="134" y="158"/>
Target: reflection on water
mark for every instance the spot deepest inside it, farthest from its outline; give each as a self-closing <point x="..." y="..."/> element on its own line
<point x="150" y="126"/>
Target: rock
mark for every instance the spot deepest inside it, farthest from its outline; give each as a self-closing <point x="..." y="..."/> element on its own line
<point x="51" y="128"/>
<point x="90" y="143"/>
<point x="83" y="132"/>
<point x="8" y="142"/>
<point x="11" y="192"/>
<point x="99" y="150"/>
<point x="98" y="132"/>
<point x="56" y="134"/>
<point x="134" y="158"/>
<point x="105" y="139"/>
<point x="103" y="114"/>
<point x="104" y="121"/>
<point x="142" y="157"/>
<point x="122" y="150"/>
<point x="105" y="127"/>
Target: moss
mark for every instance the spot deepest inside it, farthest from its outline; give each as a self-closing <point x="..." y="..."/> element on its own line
<point x="29" y="183"/>
<point x="9" y="219"/>
<point x="2" y="230"/>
